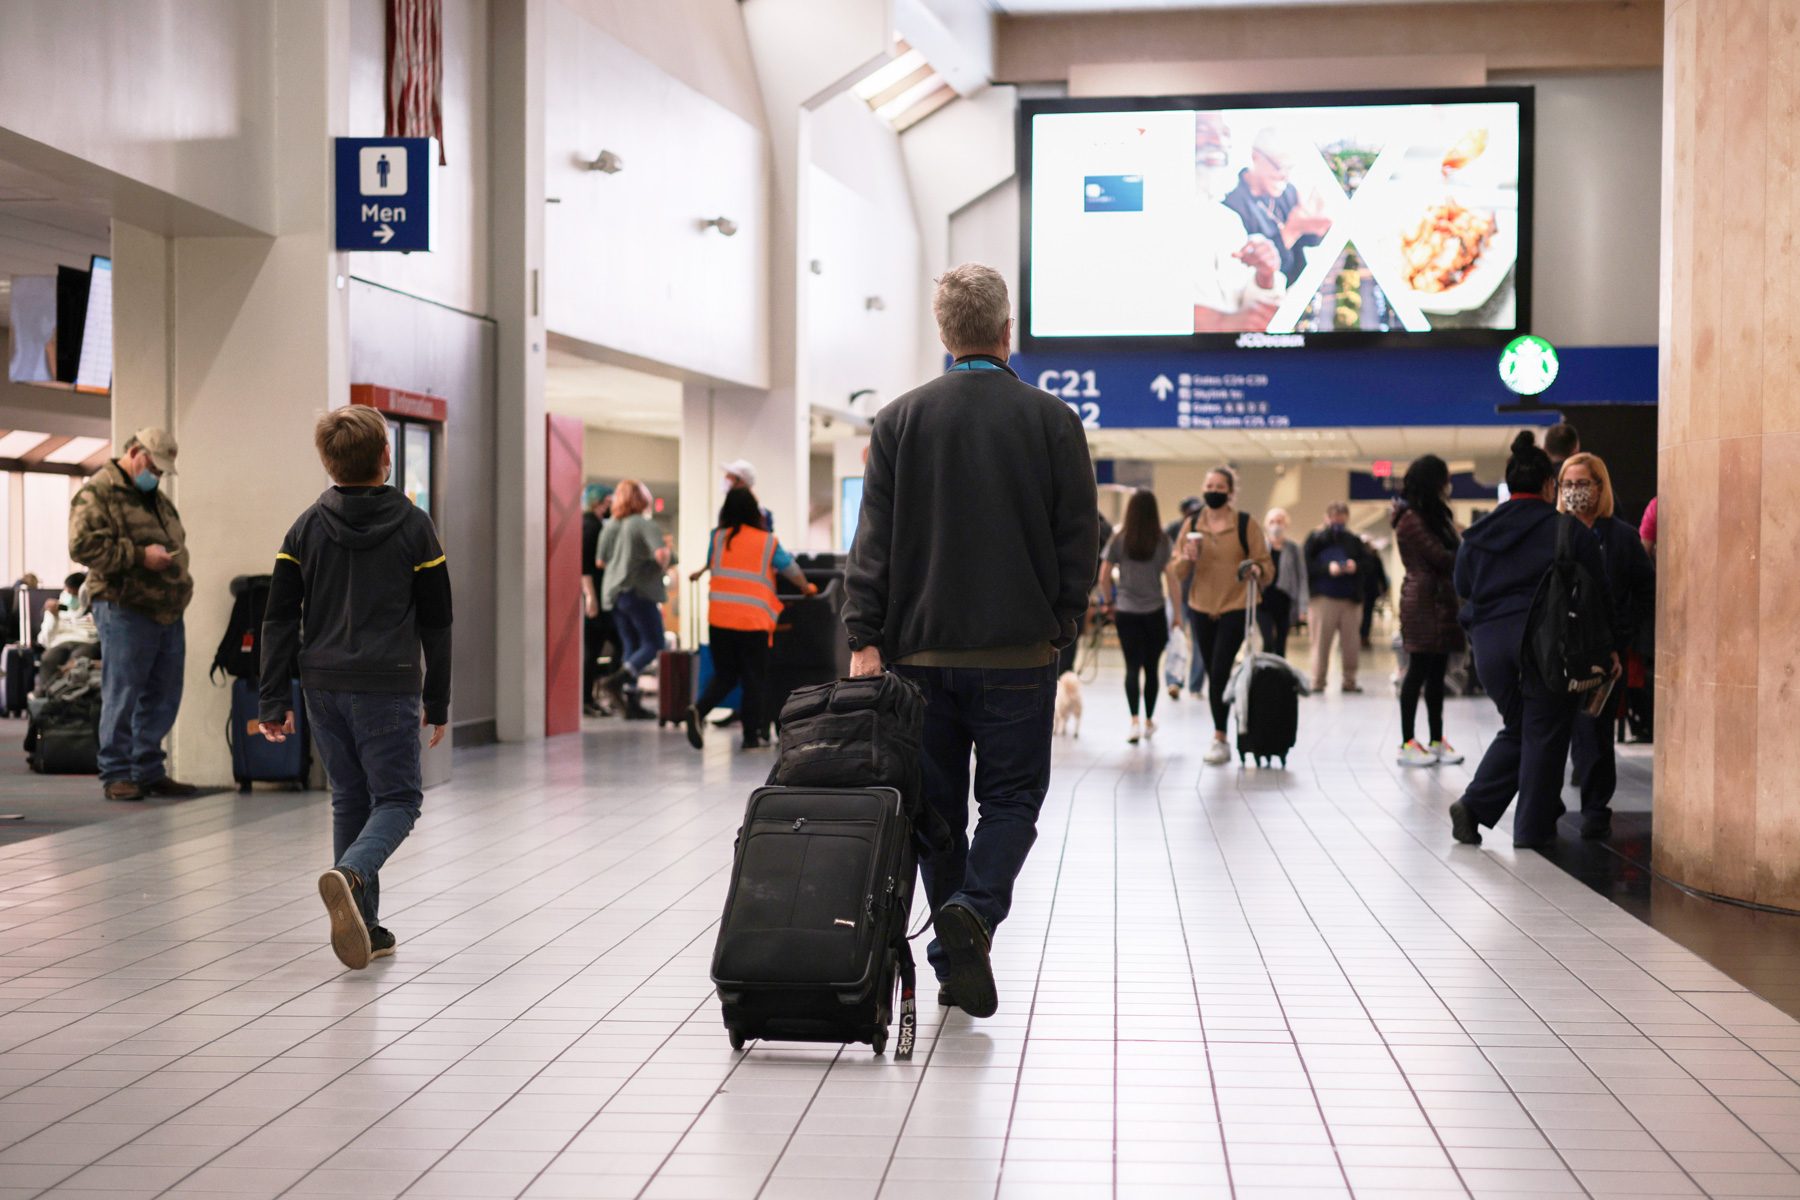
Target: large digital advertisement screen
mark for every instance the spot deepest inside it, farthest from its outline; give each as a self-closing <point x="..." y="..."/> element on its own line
<point x="1277" y="221"/>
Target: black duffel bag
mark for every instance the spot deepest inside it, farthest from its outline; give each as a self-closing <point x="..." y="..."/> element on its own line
<point x="858" y="733"/>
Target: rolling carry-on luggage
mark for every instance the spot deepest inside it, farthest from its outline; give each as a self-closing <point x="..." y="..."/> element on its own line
<point x="254" y="758"/>
<point x="1265" y="689"/>
<point x="677" y="669"/>
<point x="18" y="668"/>
<point x="813" y="937"/>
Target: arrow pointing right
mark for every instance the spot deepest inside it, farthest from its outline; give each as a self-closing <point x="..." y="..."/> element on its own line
<point x="385" y="234"/>
<point x="1162" y="387"/>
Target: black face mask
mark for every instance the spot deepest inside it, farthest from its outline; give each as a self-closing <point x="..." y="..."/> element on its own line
<point x="1217" y="499"/>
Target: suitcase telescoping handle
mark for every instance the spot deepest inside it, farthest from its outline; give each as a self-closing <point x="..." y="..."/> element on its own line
<point x="693" y="621"/>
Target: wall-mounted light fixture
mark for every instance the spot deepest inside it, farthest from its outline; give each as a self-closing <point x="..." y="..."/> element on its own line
<point x="875" y="304"/>
<point x="608" y="162"/>
<point x="724" y="225"/>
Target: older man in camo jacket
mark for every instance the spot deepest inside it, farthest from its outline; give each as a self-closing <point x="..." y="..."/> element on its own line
<point x="124" y="529"/>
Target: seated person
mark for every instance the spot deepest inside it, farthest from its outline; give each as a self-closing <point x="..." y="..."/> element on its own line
<point x="68" y="630"/>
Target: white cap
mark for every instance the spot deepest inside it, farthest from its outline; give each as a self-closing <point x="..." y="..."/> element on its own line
<point x="742" y="469"/>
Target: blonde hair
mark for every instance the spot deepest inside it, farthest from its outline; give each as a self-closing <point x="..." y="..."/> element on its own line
<point x="350" y="441"/>
<point x="971" y="307"/>
<point x="1597" y="469"/>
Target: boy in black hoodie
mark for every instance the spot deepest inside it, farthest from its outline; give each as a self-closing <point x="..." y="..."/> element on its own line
<point x="360" y="590"/>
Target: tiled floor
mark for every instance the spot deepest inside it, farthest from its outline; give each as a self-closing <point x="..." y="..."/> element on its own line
<point x="1215" y="983"/>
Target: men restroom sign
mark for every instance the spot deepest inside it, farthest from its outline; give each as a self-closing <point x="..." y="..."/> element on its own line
<point x="384" y="193"/>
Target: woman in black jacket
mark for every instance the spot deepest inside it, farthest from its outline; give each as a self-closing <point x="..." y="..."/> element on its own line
<point x="1502" y="560"/>
<point x="1428" y="537"/>
<point x="1585" y="493"/>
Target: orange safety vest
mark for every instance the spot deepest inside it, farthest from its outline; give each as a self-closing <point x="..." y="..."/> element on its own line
<point x="743" y="580"/>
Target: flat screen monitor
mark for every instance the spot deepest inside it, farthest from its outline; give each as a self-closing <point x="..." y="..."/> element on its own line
<point x="1276" y="221"/>
<point x="95" y="365"/>
<point x="850" y="506"/>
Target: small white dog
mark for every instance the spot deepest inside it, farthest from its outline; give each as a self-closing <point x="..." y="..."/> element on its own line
<point x="1068" y="705"/>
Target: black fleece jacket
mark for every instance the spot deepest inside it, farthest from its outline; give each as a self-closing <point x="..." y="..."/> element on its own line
<point x="360" y="588"/>
<point x="977" y="529"/>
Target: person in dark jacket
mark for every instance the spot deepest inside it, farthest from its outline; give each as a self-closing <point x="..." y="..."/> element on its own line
<point x="1428" y="538"/>
<point x="359" y="592"/>
<point x="596" y="627"/>
<point x="1502" y="560"/>
<point x="1334" y="566"/>
<point x="974" y="557"/>
<point x="1585" y="493"/>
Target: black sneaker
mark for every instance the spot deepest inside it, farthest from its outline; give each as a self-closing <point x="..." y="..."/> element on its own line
<point x="381" y="943"/>
<point x="965" y="942"/>
<point x="340" y="890"/>
<point x="1596" y="824"/>
<point x="1463" y="825"/>
<point x="696" y="734"/>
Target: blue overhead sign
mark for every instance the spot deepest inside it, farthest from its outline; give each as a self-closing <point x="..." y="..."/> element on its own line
<point x="384" y="193"/>
<point x="1326" y="388"/>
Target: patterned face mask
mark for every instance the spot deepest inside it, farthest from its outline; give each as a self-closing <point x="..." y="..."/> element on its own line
<point x="1581" y="497"/>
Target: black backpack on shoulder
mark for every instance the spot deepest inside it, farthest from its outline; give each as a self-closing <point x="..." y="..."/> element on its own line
<point x="240" y="651"/>
<point x="1569" y="630"/>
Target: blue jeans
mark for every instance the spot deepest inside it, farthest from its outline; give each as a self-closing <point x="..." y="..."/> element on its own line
<point x="1526" y="757"/>
<point x="141" y="662"/>
<point x="1004" y="716"/>
<point x="369" y="742"/>
<point x="640" y="628"/>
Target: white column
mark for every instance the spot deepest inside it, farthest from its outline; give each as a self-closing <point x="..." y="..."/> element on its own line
<point x="236" y="345"/>
<point x="517" y="246"/>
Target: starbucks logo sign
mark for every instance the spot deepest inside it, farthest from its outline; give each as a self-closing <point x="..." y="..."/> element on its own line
<point x="1528" y="365"/>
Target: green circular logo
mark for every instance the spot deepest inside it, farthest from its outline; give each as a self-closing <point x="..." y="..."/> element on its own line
<point x="1528" y="365"/>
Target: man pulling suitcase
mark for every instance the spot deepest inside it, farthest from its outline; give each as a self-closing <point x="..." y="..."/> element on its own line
<point x="979" y="638"/>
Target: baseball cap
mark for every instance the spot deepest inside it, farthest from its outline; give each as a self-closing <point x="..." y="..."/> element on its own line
<point x="742" y="469"/>
<point x="159" y="445"/>
<point x="1190" y="506"/>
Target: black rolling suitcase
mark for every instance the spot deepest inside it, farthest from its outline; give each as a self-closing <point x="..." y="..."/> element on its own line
<point x="1268" y="718"/>
<point x="813" y="938"/>
<point x="19" y="672"/>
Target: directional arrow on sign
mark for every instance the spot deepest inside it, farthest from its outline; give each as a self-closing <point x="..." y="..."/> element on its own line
<point x="385" y="233"/>
<point x="1162" y="387"/>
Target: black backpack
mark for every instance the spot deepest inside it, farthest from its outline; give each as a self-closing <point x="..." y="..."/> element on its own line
<point x="240" y="651"/>
<point x="859" y="733"/>
<point x="1569" y="629"/>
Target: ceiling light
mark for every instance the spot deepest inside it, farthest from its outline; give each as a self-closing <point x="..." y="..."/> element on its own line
<point x="21" y="442"/>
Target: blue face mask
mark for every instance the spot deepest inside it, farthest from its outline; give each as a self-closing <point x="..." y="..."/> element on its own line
<point x="146" y="480"/>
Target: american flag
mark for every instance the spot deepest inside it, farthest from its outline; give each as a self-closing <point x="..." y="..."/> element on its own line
<point x="415" y="70"/>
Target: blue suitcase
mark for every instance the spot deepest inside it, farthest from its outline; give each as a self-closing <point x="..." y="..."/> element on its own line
<point x="255" y="759"/>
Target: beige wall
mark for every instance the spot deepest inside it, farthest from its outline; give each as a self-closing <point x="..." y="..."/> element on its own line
<point x="1727" y="814"/>
<point x="1524" y="36"/>
<point x="610" y="456"/>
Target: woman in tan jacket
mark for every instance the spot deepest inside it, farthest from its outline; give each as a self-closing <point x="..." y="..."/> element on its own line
<point x="1214" y="550"/>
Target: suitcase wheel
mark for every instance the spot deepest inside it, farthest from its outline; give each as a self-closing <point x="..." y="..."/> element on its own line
<point x="737" y="1039"/>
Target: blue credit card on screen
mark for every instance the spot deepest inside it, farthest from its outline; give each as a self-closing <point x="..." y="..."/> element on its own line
<point x="1113" y="193"/>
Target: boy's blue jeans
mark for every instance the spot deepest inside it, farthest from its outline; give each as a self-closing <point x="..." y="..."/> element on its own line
<point x="369" y="742"/>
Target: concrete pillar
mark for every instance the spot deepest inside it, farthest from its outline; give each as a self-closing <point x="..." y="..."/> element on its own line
<point x="236" y="344"/>
<point x="517" y="246"/>
<point x="1727" y="815"/>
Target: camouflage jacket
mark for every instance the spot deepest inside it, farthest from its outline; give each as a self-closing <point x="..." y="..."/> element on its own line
<point x="110" y="523"/>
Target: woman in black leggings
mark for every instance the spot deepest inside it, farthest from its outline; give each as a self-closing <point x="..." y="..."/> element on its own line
<point x="1428" y="538"/>
<point x="1139" y="553"/>
<point x="1215" y="547"/>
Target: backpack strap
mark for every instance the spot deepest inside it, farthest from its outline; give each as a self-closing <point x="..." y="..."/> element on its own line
<point x="1244" y="532"/>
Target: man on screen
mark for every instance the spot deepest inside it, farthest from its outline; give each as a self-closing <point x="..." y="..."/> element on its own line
<point x="1270" y="206"/>
<point x="1238" y="284"/>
